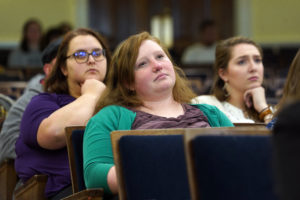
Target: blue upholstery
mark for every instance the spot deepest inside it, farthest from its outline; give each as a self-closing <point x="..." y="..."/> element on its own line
<point x="154" y="167"/>
<point x="233" y="167"/>
<point x="77" y="140"/>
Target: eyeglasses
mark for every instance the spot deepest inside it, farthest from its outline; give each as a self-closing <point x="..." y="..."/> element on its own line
<point x="83" y="56"/>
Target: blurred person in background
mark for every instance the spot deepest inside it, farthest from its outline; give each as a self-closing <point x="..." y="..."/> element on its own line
<point x="54" y="32"/>
<point x="203" y="51"/>
<point x="28" y="54"/>
<point x="11" y="126"/>
<point x="65" y="27"/>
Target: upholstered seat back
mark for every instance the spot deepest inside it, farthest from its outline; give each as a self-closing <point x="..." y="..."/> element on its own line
<point x="233" y="167"/>
<point x="77" y="140"/>
<point x="154" y="167"/>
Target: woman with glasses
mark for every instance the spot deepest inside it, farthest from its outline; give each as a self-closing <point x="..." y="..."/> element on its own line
<point x="71" y="92"/>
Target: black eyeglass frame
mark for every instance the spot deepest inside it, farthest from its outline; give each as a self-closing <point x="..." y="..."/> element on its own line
<point x="87" y="56"/>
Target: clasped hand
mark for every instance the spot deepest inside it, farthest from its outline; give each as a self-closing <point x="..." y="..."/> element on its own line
<point x="255" y="97"/>
<point x="93" y="87"/>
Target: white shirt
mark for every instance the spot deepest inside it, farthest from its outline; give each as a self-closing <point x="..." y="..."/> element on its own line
<point x="199" y="54"/>
<point x="235" y="114"/>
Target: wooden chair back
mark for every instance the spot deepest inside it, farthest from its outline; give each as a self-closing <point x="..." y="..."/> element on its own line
<point x="13" y="89"/>
<point x="74" y="140"/>
<point x="8" y="179"/>
<point x="255" y="125"/>
<point x="77" y="179"/>
<point x="115" y="138"/>
<point x="229" y="152"/>
<point x="33" y="189"/>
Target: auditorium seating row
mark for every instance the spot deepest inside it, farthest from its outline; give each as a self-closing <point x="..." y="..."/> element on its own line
<point x="200" y="78"/>
<point x="199" y="163"/>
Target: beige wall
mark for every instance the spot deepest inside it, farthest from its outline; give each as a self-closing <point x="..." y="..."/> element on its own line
<point x="13" y="13"/>
<point x="266" y="21"/>
<point x="269" y="21"/>
<point x="276" y="21"/>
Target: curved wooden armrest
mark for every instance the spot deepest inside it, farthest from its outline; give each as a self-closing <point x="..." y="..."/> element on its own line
<point x="33" y="189"/>
<point x="8" y="178"/>
<point x="88" y="194"/>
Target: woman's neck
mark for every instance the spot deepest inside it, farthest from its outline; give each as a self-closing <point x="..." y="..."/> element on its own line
<point x="74" y="90"/>
<point x="164" y="108"/>
<point x="236" y="99"/>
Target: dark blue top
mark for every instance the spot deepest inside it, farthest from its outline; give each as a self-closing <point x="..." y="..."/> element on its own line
<point x="33" y="159"/>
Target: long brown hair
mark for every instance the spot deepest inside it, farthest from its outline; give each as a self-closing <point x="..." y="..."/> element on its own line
<point x="291" y="90"/>
<point x="56" y="82"/>
<point x="24" y="41"/>
<point x="121" y="75"/>
<point x="223" y="55"/>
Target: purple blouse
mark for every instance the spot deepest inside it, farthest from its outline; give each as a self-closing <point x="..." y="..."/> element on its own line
<point x="31" y="158"/>
<point x="192" y="118"/>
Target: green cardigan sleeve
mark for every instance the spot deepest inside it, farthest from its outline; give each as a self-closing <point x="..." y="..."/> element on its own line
<point x="97" y="149"/>
<point x="216" y="118"/>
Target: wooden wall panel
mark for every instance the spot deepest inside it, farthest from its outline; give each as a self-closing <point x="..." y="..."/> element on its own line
<point x="117" y="19"/>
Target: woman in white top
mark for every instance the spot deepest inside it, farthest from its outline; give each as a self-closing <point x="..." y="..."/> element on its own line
<point x="237" y="89"/>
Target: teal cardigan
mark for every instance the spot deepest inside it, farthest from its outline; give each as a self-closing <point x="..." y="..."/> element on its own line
<point x="97" y="149"/>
